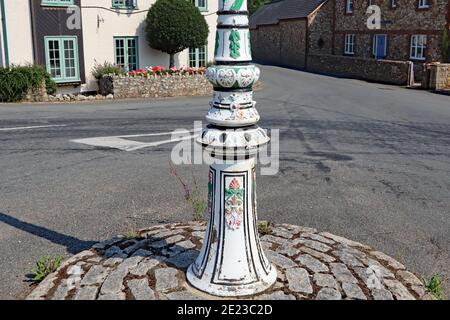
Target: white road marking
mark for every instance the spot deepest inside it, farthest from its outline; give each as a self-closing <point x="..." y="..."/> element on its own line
<point x="33" y="127"/>
<point x="121" y="143"/>
<point x="155" y="134"/>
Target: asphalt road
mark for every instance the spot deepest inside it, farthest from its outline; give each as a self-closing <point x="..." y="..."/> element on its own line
<point x="367" y="161"/>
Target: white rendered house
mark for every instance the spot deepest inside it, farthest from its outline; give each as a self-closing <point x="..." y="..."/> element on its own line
<point x="70" y="36"/>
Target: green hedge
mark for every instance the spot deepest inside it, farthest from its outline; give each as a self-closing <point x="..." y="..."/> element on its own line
<point x="16" y="81"/>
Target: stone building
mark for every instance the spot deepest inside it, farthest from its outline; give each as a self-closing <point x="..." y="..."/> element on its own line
<point x="346" y="36"/>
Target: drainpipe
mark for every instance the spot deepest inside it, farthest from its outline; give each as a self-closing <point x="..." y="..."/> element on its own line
<point x="5" y="35"/>
<point x="33" y="35"/>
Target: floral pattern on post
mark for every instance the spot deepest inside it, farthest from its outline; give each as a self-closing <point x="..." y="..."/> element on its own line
<point x="234" y="204"/>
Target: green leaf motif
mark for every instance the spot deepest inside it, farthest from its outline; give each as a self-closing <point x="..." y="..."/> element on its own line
<point x="237" y="5"/>
<point x="216" y="49"/>
<point x="232" y="192"/>
<point x="235" y="45"/>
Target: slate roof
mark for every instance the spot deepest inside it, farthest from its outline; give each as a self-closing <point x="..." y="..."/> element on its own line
<point x="275" y="11"/>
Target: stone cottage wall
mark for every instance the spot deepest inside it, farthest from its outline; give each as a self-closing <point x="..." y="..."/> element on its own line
<point x="159" y="86"/>
<point x="385" y="71"/>
<point x="293" y="43"/>
<point x="283" y="44"/>
<point x="266" y="44"/>
<point x="321" y="30"/>
<point x="406" y="16"/>
<point x="399" y="24"/>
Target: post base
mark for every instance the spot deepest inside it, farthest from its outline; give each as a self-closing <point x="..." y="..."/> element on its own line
<point x="230" y="290"/>
<point x="232" y="262"/>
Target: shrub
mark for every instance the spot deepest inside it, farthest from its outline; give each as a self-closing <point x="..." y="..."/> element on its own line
<point x="16" y="81"/>
<point x="50" y="84"/>
<point x="106" y="68"/>
<point x="175" y="25"/>
<point x="13" y="85"/>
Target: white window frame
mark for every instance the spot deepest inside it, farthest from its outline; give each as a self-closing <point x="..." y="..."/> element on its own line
<point x="349" y="44"/>
<point x="393" y="3"/>
<point x="375" y="43"/>
<point x="126" y="52"/>
<point x="63" y="58"/>
<point x="195" y="54"/>
<point x="418" y="45"/>
<point x="349" y="6"/>
<point x="57" y="3"/>
<point x="424" y="4"/>
<point x="124" y="4"/>
<point x="201" y="6"/>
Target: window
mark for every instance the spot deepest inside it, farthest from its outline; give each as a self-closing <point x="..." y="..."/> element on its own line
<point x="393" y="3"/>
<point x="423" y="4"/>
<point x="202" y="5"/>
<point x="126" y="52"/>
<point x="61" y="57"/>
<point x="61" y="3"/>
<point x="379" y="46"/>
<point x="197" y="57"/>
<point x="349" y="46"/>
<point x="349" y="6"/>
<point x="124" y="4"/>
<point x="418" y="46"/>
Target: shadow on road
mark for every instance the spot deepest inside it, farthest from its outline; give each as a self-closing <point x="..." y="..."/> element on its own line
<point x="72" y="244"/>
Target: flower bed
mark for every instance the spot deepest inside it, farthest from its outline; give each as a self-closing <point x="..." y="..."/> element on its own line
<point x="158" y="70"/>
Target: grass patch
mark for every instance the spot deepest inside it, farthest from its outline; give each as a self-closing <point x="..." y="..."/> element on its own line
<point x="264" y="228"/>
<point x="435" y="286"/>
<point x="45" y="266"/>
<point x="131" y="234"/>
<point x="192" y="195"/>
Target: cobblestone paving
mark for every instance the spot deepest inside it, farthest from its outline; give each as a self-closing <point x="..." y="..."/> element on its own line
<point x="311" y="265"/>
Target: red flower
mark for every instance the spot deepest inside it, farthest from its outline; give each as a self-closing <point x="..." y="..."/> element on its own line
<point x="158" y="69"/>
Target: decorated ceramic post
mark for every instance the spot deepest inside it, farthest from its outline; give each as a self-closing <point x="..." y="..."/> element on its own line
<point x="231" y="261"/>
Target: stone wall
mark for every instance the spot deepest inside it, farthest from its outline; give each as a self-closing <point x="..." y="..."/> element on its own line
<point x="157" y="86"/>
<point x="37" y="95"/>
<point x="282" y="44"/>
<point x="321" y="30"/>
<point x="437" y="76"/>
<point x="385" y="71"/>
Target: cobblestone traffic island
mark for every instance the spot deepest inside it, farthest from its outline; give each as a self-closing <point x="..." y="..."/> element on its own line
<point x="311" y="265"/>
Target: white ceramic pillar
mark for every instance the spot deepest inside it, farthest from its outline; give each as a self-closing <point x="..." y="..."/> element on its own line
<point x="231" y="261"/>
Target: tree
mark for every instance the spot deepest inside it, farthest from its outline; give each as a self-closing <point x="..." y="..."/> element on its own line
<point x="175" y="25"/>
<point x="253" y="5"/>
